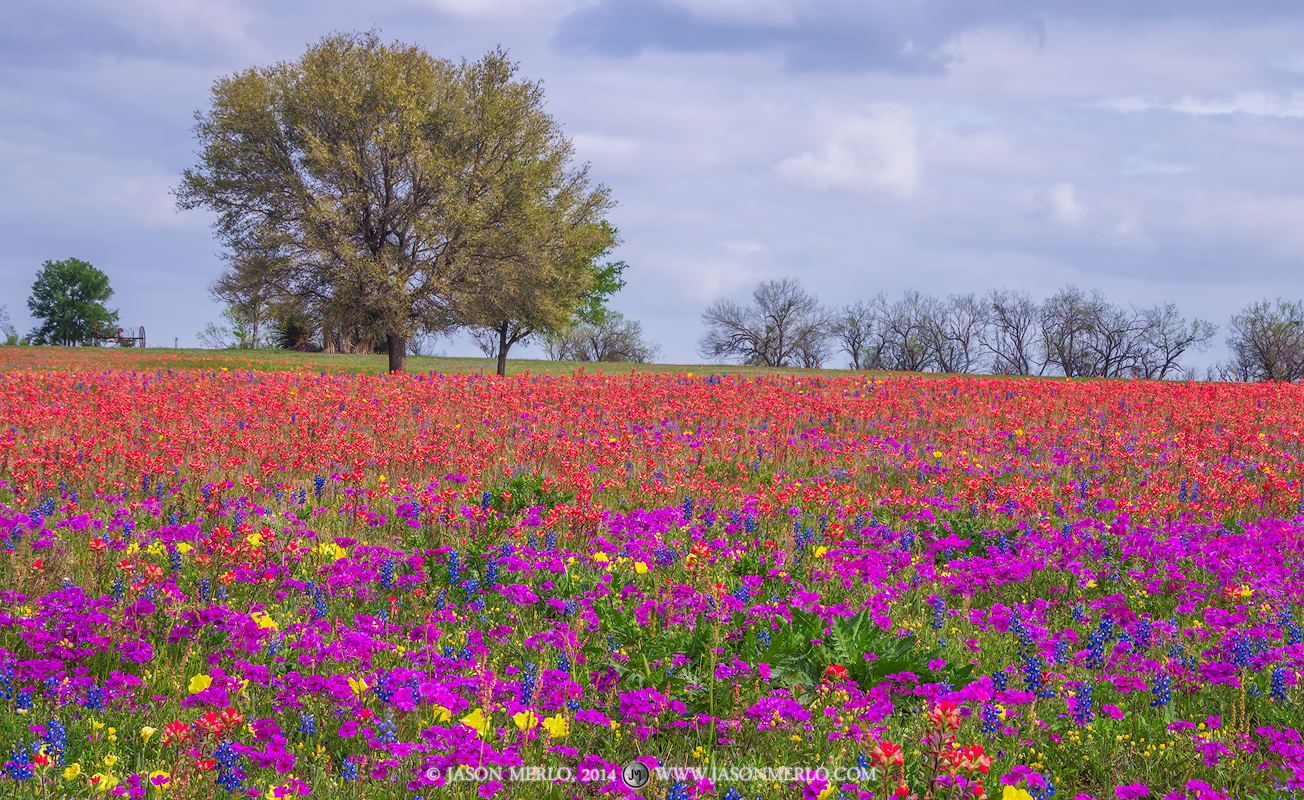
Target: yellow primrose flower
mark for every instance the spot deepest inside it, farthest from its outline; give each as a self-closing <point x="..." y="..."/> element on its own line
<point x="476" y="721"/>
<point x="184" y="548"/>
<point x="821" y="551"/>
<point x="96" y="725"/>
<point x="557" y="726"/>
<point x="155" y="548"/>
<point x="600" y="557"/>
<point x="640" y="567"/>
<point x="824" y="795"/>
<point x="525" y="720"/>
<point x="199" y="683"/>
<point x="1012" y="793"/>
<point x="441" y="714"/>
<point x="330" y="550"/>
<point x="103" y="782"/>
<point x="72" y="771"/>
<point x="265" y="621"/>
<point x="110" y="760"/>
<point x="254" y="539"/>
<point x="358" y="685"/>
<point x="147" y="732"/>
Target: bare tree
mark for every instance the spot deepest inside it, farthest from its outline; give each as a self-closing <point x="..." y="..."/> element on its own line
<point x="852" y="330"/>
<point x="247" y="288"/>
<point x="1117" y="343"/>
<point x="782" y="321"/>
<point x="1266" y="342"/>
<point x="486" y="339"/>
<point x="614" y="338"/>
<point x="954" y="329"/>
<point x="1168" y="338"/>
<point x="812" y="351"/>
<point x="1068" y="320"/>
<point x="1012" y="333"/>
<point x="7" y="329"/>
<point x="904" y="333"/>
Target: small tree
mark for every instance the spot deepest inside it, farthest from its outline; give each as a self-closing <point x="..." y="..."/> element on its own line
<point x="545" y="300"/>
<point x="69" y="296"/>
<point x="221" y="337"/>
<point x="246" y="290"/>
<point x="852" y="329"/>
<point x="614" y="338"/>
<point x="904" y="333"/>
<point x="7" y="329"/>
<point x="1168" y="338"/>
<point x="1267" y="342"/>
<point x="1012" y="333"/>
<point x="954" y="331"/>
<point x="782" y="323"/>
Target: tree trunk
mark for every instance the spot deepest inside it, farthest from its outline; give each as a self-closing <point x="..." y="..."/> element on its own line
<point x="397" y="352"/>
<point x="503" y="345"/>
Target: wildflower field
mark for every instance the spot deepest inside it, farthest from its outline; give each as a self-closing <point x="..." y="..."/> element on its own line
<point x="255" y="584"/>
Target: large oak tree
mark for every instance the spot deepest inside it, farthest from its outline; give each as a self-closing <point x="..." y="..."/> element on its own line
<point x="389" y="189"/>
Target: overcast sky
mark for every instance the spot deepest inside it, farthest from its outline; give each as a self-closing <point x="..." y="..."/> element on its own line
<point x="862" y="146"/>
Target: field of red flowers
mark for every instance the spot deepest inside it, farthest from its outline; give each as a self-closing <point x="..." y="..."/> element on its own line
<point x="278" y="584"/>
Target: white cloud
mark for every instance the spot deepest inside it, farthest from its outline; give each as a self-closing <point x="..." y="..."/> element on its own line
<point x="1064" y="206"/>
<point x="877" y="151"/>
<point x="1130" y="232"/>
<point x="1262" y="104"/>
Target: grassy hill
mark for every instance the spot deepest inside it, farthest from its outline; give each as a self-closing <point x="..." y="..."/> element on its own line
<point x="154" y="358"/>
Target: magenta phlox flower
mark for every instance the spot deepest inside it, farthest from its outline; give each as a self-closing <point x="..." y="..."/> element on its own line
<point x="1131" y="791"/>
<point x="520" y="594"/>
<point x="1213" y="752"/>
<point x="593" y="717"/>
<point x="806" y="601"/>
<point x="644" y="705"/>
<point x="780" y="705"/>
<point x="1221" y="672"/>
<point x="1203" y="791"/>
<point x="437" y="694"/>
<point x="979" y="691"/>
<point x="734" y="669"/>
<point x="1021" y="773"/>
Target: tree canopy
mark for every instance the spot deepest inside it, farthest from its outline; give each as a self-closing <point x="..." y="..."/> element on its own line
<point x="68" y="296"/>
<point x="387" y="189"/>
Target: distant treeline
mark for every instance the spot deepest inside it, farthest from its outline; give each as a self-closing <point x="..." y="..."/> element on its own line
<point x="1073" y="333"/>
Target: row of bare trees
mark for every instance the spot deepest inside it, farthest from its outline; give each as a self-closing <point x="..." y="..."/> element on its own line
<point x="1073" y="333"/>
